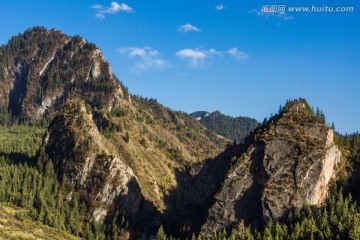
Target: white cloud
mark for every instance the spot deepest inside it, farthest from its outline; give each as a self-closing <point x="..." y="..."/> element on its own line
<point x="100" y="15"/>
<point x="220" y="7"/>
<point x="195" y="57"/>
<point x="282" y="15"/>
<point x="188" y="28"/>
<point x="238" y="55"/>
<point x="96" y="6"/>
<point x="212" y="51"/>
<point x="199" y="57"/>
<point x="145" y="58"/>
<point x="190" y="53"/>
<point x="114" y="8"/>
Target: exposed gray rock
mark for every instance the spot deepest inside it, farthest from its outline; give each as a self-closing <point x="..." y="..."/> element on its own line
<point x="288" y="162"/>
<point x="77" y="147"/>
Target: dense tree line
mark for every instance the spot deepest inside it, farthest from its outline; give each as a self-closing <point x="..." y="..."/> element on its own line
<point x="337" y="218"/>
<point x="32" y="39"/>
<point x="5" y="116"/>
<point x="24" y="186"/>
<point x="9" y="119"/>
<point x="350" y="145"/>
<point x="234" y="128"/>
<point x="20" y="139"/>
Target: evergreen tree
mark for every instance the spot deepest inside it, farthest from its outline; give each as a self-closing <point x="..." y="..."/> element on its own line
<point x="161" y="234"/>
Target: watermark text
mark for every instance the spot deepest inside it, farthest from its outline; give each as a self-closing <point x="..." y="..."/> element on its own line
<point x="310" y="9"/>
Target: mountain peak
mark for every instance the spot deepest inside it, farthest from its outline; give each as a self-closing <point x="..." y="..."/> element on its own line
<point x="42" y="69"/>
<point x="286" y="163"/>
<point x="297" y="106"/>
<point x="217" y="112"/>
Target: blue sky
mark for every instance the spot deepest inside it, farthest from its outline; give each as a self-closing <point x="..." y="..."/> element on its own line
<point x="216" y="55"/>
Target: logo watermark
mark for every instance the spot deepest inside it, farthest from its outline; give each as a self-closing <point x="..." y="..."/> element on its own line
<point x="281" y="9"/>
<point x="273" y="8"/>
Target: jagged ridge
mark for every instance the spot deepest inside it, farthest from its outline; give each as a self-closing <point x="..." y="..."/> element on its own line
<point x="287" y="162"/>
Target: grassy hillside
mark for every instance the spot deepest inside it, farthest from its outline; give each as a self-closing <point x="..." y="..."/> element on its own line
<point x="160" y="142"/>
<point x="153" y="140"/>
<point x="14" y="224"/>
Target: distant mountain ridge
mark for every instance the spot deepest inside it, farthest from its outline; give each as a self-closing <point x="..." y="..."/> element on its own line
<point x="233" y="128"/>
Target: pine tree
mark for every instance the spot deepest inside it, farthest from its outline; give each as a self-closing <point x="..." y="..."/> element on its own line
<point x="193" y="237"/>
<point x="127" y="137"/>
<point x="114" y="228"/>
<point x="161" y="234"/>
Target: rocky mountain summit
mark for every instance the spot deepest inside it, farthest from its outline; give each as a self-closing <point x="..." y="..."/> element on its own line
<point x="286" y="163"/>
<point x="40" y="70"/>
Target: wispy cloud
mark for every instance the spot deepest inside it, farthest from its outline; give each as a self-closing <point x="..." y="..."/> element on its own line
<point x="220" y="7"/>
<point x="96" y="6"/>
<point x="281" y="15"/>
<point x="238" y="55"/>
<point x="198" y="57"/>
<point x="101" y="11"/>
<point x="188" y="28"/>
<point x="213" y="51"/>
<point x="144" y="58"/>
<point x="195" y="57"/>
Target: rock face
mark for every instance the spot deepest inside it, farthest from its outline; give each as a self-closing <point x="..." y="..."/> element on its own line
<point x="287" y="163"/>
<point x="331" y="159"/>
<point x="196" y="188"/>
<point x="80" y="153"/>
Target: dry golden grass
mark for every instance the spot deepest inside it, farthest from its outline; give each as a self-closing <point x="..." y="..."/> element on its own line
<point x="12" y="228"/>
<point x="170" y="147"/>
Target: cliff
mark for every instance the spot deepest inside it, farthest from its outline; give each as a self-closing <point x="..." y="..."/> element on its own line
<point x="86" y="164"/>
<point x="287" y="163"/>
